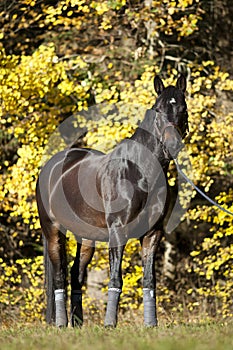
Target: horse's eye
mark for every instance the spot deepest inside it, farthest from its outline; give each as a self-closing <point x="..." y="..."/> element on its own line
<point x="182" y="109"/>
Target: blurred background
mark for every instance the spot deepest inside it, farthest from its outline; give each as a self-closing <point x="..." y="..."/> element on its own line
<point x="59" y="58"/>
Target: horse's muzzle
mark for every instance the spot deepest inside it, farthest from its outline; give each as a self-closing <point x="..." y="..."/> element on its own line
<point x="172" y="142"/>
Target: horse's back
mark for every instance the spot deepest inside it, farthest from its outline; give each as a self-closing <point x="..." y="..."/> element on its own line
<point x="66" y="190"/>
<point x="61" y="162"/>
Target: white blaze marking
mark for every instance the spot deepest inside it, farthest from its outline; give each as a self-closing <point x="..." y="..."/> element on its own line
<point x="172" y="100"/>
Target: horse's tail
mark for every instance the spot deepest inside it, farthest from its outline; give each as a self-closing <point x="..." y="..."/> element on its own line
<point x="49" y="285"/>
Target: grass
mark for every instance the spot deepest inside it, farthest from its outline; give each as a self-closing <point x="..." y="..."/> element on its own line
<point x="202" y="336"/>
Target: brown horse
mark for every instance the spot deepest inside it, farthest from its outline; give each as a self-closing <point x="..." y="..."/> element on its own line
<point x="110" y="197"/>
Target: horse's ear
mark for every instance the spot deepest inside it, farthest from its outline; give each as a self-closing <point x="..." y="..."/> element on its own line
<point x="181" y="83"/>
<point x="158" y="85"/>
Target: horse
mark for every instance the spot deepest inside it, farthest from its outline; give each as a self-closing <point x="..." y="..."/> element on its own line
<point x="110" y="198"/>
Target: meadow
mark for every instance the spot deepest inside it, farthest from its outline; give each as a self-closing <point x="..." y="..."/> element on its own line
<point x="191" y="336"/>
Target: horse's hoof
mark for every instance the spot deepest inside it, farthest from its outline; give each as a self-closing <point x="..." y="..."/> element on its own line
<point x="61" y="325"/>
<point x="151" y="325"/>
<point x="110" y="324"/>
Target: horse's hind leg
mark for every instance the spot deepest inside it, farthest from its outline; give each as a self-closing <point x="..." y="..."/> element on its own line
<point x="84" y="255"/>
<point x="56" y="272"/>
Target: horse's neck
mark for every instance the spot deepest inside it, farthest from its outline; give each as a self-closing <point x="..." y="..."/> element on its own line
<point x="146" y="139"/>
<point x="146" y="135"/>
<point x="143" y="148"/>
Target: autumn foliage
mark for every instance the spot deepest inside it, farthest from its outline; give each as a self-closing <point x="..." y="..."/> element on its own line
<point x="106" y="53"/>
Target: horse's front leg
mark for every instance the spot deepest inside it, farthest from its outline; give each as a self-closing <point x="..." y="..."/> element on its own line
<point x="115" y="285"/>
<point x="150" y="244"/>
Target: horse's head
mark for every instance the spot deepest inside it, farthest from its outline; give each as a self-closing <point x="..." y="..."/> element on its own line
<point x="171" y="123"/>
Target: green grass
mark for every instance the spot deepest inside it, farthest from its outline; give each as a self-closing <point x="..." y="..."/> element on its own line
<point x="204" y="336"/>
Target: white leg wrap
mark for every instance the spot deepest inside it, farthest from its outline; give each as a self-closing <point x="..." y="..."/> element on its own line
<point x="60" y="308"/>
<point x="149" y="300"/>
<point x="112" y="307"/>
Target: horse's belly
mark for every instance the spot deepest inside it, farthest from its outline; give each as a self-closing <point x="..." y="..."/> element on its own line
<point x="77" y="213"/>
